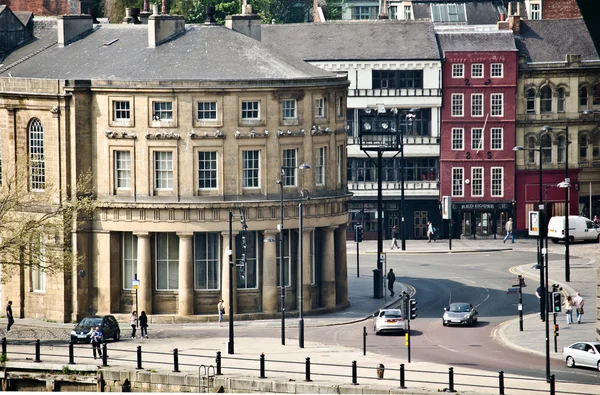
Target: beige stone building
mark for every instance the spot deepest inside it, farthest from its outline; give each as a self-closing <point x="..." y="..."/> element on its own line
<point x="179" y="124"/>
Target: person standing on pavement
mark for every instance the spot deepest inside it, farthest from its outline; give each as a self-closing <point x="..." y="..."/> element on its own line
<point x="221" y="309"/>
<point x="143" y="325"/>
<point x="508" y="226"/>
<point x="391" y="277"/>
<point x="429" y="231"/>
<point x="569" y="309"/>
<point x="96" y="338"/>
<point x="9" y="315"/>
<point x="578" y="303"/>
<point x="394" y="237"/>
<point x="133" y="322"/>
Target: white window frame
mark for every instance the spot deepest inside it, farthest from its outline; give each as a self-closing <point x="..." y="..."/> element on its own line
<point x="163" y="175"/>
<point x="458" y="171"/>
<point x="458" y="70"/>
<point x="129" y="262"/>
<point x="477" y="104"/>
<point x="250" y="173"/>
<point x="408" y="13"/>
<point x="171" y="285"/>
<point x="37" y="161"/>
<point x="320" y="107"/>
<point x="289" y="160"/>
<point x="162" y="108"/>
<point x="494" y="67"/>
<point x="494" y="105"/>
<point x="289" y="109"/>
<point x="459" y="107"/>
<point x="458" y="139"/>
<point x="480" y="140"/>
<point x="205" y="238"/>
<point x="122" y="169"/>
<point x="117" y="110"/>
<point x="250" y="110"/>
<point x="320" y="165"/>
<point x="497" y="139"/>
<point x="496" y="170"/>
<point x="477" y="70"/>
<point x="535" y="14"/>
<point x="477" y="182"/>
<point x="208" y="174"/>
<point x="211" y="113"/>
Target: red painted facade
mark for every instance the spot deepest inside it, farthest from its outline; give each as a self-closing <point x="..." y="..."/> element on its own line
<point x="44" y="7"/>
<point x="486" y="157"/>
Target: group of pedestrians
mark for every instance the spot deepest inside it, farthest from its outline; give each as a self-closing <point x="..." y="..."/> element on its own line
<point x="574" y="303"/>
<point x="143" y="322"/>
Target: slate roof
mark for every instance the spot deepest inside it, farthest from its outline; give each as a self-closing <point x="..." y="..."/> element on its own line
<point x="44" y="36"/>
<point x="480" y="41"/>
<point x="24" y="16"/>
<point x="550" y="40"/>
<point x="204" y="52"/>
<point x="478" y="12"/>
<point x="354" y="40"/>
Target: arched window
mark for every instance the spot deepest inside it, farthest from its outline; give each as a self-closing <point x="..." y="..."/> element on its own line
<point x="583" y="148"/>
<point x="561" y="149"/>
<point x="596" y="148"/>
<point x="583" y="96"/>
<point x="530" y="101"/>
<point x="546" y="99"/>
<point x="37" y="165"/>
<point x="546" y="147"/>
<point x="531" y="152"/>
<point x="596" y="99"/>
<point x="562" y="96"/>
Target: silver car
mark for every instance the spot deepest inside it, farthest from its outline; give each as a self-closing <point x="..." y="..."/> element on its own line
<point x="389" y="320"/>
<point x="582" y="354"/>
<point x="460" y="314"/>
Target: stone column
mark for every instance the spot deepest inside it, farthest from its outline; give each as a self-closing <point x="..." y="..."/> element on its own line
<point x="81" y="276"/>
<point x="102" y="258"/>
<point x="328" y="267"/>
<point x="341" y="266"/>
<point x="225" y="273"/>
<point x="269" y="272"/>
<point x="144" y="271"/>
<point x="307" y="306"/>
<point x="186" y="275"/>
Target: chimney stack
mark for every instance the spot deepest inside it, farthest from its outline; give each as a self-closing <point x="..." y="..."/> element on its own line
<point x="514" y="23"/>
<point x="72" y="26"/>
<point x="162" y="28"/>
<point x="247" y="24"/>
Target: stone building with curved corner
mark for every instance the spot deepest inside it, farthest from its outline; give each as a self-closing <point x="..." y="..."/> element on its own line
<point x="179" y="124"/>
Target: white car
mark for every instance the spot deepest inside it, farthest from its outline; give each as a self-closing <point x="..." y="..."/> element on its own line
<point x="582" y="354"/>
<point x="389" y="320"/>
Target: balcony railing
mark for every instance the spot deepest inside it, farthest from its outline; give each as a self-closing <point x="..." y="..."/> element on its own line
<point x="429" y="185"/>
<point x="408" y="140"/>
<point x="405" y="92"/>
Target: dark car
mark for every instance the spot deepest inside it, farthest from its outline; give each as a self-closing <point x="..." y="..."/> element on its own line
<point x="108" y="325"/>
<point x="460" y="314"/>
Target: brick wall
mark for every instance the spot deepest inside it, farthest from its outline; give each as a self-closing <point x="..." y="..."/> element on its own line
<point x="44" y="7"/>
<point x="560" y="9"/>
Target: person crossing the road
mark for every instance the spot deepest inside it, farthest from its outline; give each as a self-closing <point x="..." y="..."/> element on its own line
<point x="391" y="277"/>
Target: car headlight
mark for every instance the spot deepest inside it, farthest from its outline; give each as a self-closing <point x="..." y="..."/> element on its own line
<point x="466" y="315"/>
<point x="445" y="315"/>
<point x="73" y="333"/>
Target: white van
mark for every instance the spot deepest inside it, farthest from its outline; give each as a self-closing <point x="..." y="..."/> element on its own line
<point x="580" y="228"/>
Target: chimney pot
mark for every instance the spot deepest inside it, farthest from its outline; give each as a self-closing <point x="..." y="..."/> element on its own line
<point x="210" y="16"/>
<point x="154" y="9"/>
<point x="502" y="17"/>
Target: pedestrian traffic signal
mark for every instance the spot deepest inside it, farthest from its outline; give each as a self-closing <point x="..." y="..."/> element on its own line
<point x="556" y="302"/>
<point x="555" y="330"/>
<point x="358" y="233"/>
<point x="412" y="308"/>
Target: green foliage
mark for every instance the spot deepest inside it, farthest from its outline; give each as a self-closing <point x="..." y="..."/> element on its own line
<point x="66" y="370"/>
<point x="3" y="358"/>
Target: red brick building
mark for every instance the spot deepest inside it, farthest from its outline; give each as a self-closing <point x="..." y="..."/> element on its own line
<point x="479" y="74"/>
<point x="44" y="7"/>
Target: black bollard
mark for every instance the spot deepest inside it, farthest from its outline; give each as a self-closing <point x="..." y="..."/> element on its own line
<point x="104" y="355"/>
<point x="175" y="360"/>
<point x="262" y="366"/>
<point x="450" y="379"/>
<point x="307" y="369"/>
<point x="552" y="385"/>
<point x="402" y="381"/>
<point x="501" y="382"/>
<point x="218" y="361"/>
<point x="71" y="354"/>
<point x="139" y="357"/>
<point x="3" y="346"/>
<point x="354" y="373"/>
<point x="37" y="351"/>
<point x="364" y="340"/>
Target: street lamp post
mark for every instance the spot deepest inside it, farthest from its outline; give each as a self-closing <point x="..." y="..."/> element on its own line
<point x="409" y="118"/>
<point x="281" y="263"/>
<point x="230" y="347"/>
<point x="304" y="194"/>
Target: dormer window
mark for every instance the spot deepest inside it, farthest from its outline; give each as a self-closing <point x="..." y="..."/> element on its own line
<point x="408" y="12"/>
<point x="535" y="11"/>
<point x="448" y="13"/>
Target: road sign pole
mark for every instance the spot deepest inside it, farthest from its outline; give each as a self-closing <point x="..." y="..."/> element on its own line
<point x="520" y="303"/>
<point x="136" y="284"/>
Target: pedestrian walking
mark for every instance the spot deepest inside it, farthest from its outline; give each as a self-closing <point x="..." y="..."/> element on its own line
<point x="143" y="325"/>
<point x="509" y="230"/>
<point x="133" y="321"/>
<point x="9" y="315"/>
<point x="430" y="231"/>
<point x="221" y="309"/>
<point x="578" y="303"/>
<point x="391" y="277"/>
<point x="569" y="309"/>
<point x="395" y="235"/>
<point x="96" y="337"/>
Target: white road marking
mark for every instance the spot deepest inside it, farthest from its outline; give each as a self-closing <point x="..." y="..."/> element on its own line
<point x="446" y="348"/>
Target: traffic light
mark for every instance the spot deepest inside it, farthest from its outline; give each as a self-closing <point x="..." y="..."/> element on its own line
<point x="556" y="302"/>
<point x="407" y="339"/>
<point x="555" y="330"/>
<point x="412" y="308"/>
<point x="358" y="233"/>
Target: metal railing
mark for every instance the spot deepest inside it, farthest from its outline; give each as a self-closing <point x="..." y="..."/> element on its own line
<point x="400" y="376"/>
<point x="403" y="92"/>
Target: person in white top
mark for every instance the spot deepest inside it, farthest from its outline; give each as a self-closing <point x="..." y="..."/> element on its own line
<point x="578" y="303"/>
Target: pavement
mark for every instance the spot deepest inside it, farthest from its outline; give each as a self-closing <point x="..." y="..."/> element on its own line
<point x="362" y="305"/>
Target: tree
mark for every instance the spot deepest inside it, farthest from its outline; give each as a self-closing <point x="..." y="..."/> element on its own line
<point x="36" y="226"/>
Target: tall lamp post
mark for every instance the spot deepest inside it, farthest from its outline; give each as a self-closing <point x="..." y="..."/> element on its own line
<point x="230" y="347"/>
<point x="281" y="264"/>
<point x="304" y="194"/>
<point x="565" y="184"/>
<point x="409" y="118"/>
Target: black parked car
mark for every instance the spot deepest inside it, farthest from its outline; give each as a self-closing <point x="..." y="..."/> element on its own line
<point x="108" y="325"/>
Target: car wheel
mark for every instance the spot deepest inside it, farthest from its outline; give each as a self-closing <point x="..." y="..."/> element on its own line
<point x="570" y="362"/>
<point x="598" y="239"/>
<point x="118" y="336"/>
<point x="444" y="323"/>
<point x="555" y="241"/>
